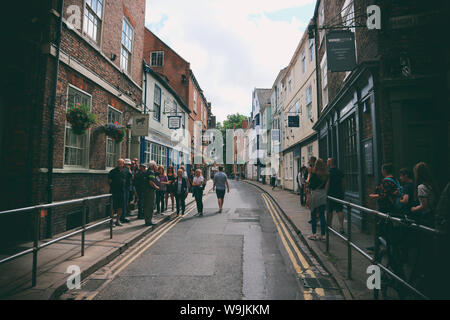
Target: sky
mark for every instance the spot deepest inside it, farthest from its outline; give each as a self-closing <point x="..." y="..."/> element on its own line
<point x="233" y="46"/>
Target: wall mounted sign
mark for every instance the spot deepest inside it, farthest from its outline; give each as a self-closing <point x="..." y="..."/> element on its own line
<point x="293" y="121"/>
<point x="174" y="122"/>
<point x="140" y="126"/>
<point x="341" y="54"/>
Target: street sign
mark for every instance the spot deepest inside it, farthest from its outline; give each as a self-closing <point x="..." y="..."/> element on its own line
<point x="341" y="54"/>
<point x="140" y="125"/>
<point x="293" y="121"/>
<point x="174" y="122"/>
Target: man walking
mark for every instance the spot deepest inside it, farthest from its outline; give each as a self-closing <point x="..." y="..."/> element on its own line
<point x="336" y="189"/>
<point x="220" y="182"/>
<point x="116" y="180"/>
<point x="150" y="192"/>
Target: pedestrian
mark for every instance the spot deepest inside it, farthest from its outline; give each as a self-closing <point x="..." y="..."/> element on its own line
<point x="181" y="192"/>
<point x="425" y="193"/>
<point x="387" y="192"/>
<point x="163" y="181"/>
<point x="220" y="182"/>
<point x="171" y="177"/>
<point x="317" y="183"/>
<point x="197" y="186"/>
<point x="273" y="179"/>
<point x="150" y="193"/>
<point x="407" y="180"/>
<point x="128" y="187"/>
<point x="311" y="163"/>
<point x="139" y="184"/>
<point x="336" y="189"/>
<point x="116" y="178"/>
<point x="301" y="180"/>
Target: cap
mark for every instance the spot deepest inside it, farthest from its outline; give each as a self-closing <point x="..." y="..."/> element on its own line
<point x="127" y="161"/>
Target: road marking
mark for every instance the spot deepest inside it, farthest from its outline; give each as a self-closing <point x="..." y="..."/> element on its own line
<point x="308" y="293"/>
<point x="148" y="243"/>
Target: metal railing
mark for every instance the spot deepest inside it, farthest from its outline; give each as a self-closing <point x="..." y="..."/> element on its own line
<point x="374" y="259"/>
<point x="36" y="211"/>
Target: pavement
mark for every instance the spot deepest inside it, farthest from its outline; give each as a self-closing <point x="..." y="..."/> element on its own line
<point x="54" y="260"/>
<point x="335" y="261"/>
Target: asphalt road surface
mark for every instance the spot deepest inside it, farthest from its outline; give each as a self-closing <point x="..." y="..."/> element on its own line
<point x="233" y="255"/>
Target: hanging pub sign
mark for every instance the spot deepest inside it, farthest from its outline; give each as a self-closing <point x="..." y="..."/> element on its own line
<point x="174" y="122"/>
<point x="140" y="125"/>
<point x="293" y="121"/>
<point x="341" y="54"/>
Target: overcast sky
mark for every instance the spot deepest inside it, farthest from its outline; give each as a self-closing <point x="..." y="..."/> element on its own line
<point x="233" y="45"/>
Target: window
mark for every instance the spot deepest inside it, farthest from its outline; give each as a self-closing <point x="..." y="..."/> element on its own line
<point x="157" y="104"/>
<point x="311" y="49"/>
<point x="127" y="46"/>
<point x="195" y="102"/>
<point x="321" y="20"/>
<point x="303" y="61"/>
<point x="348" y="14"/>
<point x="93" y="19"/>
<point x="76" y="146"/>
<point x="157" y="59"/>
<point x="349" y="153"/>
<point x="296" y="107"/>
<point x="309" y="102"/>
<point x="113" y="147"/>
<point x="147" y="152"/>
<point x="324" y="71"/>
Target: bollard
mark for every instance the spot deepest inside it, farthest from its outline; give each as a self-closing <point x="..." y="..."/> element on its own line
<point x="83" y="226"/>
<point x="349" y="239"/>
<point x="35" y="246"/>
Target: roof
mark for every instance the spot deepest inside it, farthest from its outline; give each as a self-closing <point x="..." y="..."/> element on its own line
<point x="280" y="76"/>
<point x="263" y="96"/>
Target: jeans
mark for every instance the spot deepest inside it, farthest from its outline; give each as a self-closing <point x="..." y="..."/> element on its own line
<point x="181" y="202"/>
<point x="160" y="201"/>
<point x="198" y="194"/>
<point x="126" y="202"/>
<point x="323" y="224"/>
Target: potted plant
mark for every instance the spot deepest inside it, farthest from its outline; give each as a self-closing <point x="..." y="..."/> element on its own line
<point x="80" y="118"/>
<point x="114" y="131"/>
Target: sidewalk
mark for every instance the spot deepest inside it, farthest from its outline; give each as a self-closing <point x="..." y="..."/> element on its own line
<point x="53" y="261"/>
<point x="336" y="260"/>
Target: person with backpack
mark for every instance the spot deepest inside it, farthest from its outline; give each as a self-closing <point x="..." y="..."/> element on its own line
<point x="388" y="193"/>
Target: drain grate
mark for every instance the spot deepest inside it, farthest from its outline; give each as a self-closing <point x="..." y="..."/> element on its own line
<point x="319" y="282"/>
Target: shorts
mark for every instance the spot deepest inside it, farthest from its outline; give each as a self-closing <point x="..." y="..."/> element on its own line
<point x="118" y="200"/>
<point x="220" y="194"/>
<point x="334" y="206"/>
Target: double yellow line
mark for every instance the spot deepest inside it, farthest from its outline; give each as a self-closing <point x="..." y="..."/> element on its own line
<point x="135" y="253"/>
<point x="305" y="268"/>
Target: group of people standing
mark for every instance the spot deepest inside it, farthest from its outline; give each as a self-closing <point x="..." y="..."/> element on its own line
<point x="415" y="195"/>
<point x="151" y="187"/>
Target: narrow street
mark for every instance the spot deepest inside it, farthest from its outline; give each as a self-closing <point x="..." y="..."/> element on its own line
<point x="237" y="254"/>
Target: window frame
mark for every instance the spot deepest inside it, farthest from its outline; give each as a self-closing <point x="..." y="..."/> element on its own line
<point x="87" y="135"/>
<point x="123" y="46"/>
<point x="108" y="138"/>
<point x="88" y="9"/>
<point x="157" y="59"/>
<point x="157" y="115"/>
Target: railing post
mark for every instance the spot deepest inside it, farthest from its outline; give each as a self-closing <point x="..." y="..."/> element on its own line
<point x="111" y="215"/>
<point x="35" y="245"/>
<point x="349" y="239"/>
<point x="376" y="254"/>
<point x="329" y="224"/>
<point x="83" y="226"/>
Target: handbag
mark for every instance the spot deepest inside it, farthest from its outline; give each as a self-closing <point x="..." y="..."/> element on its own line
<point x="318" y="198"/>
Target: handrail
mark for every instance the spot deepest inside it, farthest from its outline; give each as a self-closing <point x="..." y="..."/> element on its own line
<point x="350" y="244"/>
<point x="37" y="211"/>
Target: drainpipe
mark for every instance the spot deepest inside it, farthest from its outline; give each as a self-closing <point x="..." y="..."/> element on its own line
<point x="319" y="102"/>
<point x="145" y="110"/>
<point x="52" y="118"/>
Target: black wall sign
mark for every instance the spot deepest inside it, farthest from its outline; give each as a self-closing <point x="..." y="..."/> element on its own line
<point x="341" y="54"/>
<point x="293" y="121"/>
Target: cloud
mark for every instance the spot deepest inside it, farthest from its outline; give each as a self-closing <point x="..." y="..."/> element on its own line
<point x="232" y="45"/>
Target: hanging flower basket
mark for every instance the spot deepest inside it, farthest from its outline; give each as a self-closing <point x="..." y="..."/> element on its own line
<point x="114" y="131"/>
<point x="80" y="118"/>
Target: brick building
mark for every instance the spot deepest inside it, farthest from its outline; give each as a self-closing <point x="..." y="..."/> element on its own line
<point x="100" y="52"/>
<point x="393" y="106"/>
<point x="165" y="61"/>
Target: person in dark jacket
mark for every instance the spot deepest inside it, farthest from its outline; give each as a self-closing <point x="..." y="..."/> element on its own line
<point x="181" y="192"/>
<point x="139" y="183"/>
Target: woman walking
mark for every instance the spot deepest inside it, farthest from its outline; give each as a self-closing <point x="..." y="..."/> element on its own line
<point x="163" y="180"/>
<point x="318" y="200"/>
<point x="181" y="192"/>
<point x="197" y="185"/>
<point x="425" y="193"/>
<point x="171" y="177"/>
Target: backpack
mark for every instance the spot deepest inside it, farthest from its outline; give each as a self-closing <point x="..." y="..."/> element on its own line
<point x="397" y="204"/>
